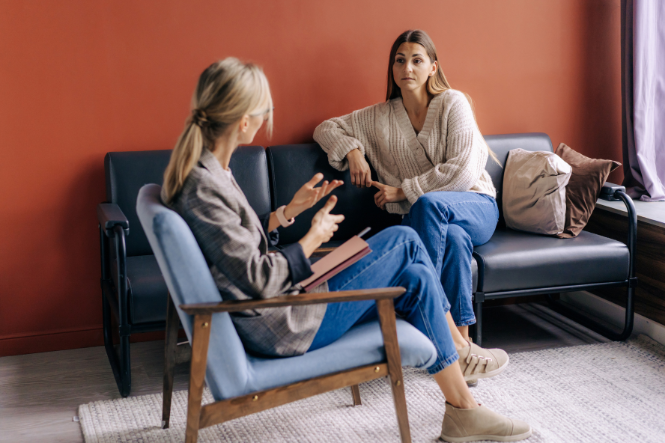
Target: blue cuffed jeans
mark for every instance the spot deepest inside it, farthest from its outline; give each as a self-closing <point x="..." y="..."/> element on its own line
<point x="398" y="258"/>
<point x="450" y="224"/>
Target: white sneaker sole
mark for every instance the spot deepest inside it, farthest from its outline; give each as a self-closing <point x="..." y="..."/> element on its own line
<point x="487" y="437"/>
<point x="497" y="371"/>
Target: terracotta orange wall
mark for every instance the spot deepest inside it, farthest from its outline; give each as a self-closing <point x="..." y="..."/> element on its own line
<point x="80" y="78"/>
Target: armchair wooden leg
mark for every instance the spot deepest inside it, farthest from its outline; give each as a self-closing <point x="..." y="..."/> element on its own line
<point x="386" y="311"/>
<point x="200" y="340"/>
<point x="170" y="345"/>
<point x="355" y="392"/>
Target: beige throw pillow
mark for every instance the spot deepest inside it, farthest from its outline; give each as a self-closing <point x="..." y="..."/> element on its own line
<point x="534" y="191"/>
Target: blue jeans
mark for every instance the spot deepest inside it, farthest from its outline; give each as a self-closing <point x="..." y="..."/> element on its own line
<point x="398" y="258"/>
<point x="450" y="224"/>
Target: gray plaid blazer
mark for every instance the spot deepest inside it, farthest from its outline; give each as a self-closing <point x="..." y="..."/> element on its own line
<point x="236" y="248"/>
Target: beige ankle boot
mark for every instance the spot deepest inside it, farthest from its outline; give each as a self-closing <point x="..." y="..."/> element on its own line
<point x="476" y="362"/>
<point x="481" y="423"/>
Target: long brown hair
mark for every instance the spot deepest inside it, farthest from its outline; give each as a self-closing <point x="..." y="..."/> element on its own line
<point x="436" y="84"/>
<point x="226" y="91"/>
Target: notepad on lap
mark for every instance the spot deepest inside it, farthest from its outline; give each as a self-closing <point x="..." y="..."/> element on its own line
<point x="332" y="264"/>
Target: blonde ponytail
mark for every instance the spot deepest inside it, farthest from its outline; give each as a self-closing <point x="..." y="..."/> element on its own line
<point x="226" y="91"/>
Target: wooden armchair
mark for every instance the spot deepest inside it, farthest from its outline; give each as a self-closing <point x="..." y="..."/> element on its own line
<point x="242" y="383"/>
<point x="199" y="417"/>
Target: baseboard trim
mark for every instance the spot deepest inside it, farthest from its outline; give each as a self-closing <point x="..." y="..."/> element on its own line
<point x="613" y="314"/>
<point x="53" y="341"/>
<point x="63" y="340"/>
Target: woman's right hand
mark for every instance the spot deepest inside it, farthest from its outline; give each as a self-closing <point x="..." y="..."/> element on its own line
<point x="324" y="225"/>
<point x="359" y="168"/>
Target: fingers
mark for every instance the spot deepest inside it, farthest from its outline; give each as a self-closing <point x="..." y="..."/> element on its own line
<point x="337" y="218"/>
<point x="377" y="184"/>
<point x="332" y="201"/>
<point x="314" y="180"/>
<point x="368" y="179"/>
<point x="333" y="185"/>
<point x="322" y="190"/>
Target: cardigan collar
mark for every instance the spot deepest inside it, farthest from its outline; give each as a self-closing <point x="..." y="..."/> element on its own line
<point x="406" y="126"/>
<point x="418" y="143"/>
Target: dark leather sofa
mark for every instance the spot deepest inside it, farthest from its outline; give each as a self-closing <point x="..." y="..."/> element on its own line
<point x="511" y="264"/>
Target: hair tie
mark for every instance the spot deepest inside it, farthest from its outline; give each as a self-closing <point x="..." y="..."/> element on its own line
<point x="200" y="118"/>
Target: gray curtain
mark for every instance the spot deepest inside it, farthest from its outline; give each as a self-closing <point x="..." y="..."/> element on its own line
<point x="643" y="91"/>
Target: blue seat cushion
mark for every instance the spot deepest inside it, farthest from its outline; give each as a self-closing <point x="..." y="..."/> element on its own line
<point x="360" y="346"/>
<point x="515" y="260"/>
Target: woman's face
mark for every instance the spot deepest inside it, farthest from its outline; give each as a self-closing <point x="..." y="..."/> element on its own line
<point x="412" y="67"/>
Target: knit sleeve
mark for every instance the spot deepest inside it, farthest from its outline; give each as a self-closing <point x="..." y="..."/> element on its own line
<point x="341" y="135"/>
<point x="465" y="157"/>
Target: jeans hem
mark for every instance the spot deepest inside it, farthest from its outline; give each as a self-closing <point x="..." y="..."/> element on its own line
<point x="469" y="322"/>
<point x="439" y="365"/>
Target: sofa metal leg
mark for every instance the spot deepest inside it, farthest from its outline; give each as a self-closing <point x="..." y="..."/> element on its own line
<point x="610" y="333"/>
<point x="120" y="361"/>
<point x="478" y="330"/>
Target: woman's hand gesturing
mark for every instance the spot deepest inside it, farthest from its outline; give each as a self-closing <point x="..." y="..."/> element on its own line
<point x="324" y="225"/>
<point x="359" y="169"/>
<point x="308" y="195"/>
<point x="387" y="194"/>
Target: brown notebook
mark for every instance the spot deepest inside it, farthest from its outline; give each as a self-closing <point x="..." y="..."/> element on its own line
<point x="332" y="264"/>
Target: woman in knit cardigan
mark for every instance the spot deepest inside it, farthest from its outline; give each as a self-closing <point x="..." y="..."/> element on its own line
<point x="430" y="159"/>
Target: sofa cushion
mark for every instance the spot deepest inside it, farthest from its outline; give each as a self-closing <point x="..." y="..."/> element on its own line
<point x="126" y="172"/>
<point x="292" y="166"/>
<point x="146" y="289"/>
<point x="583" y="189"/>
<point x="514" y="260"/>
<point x="502" y="144"/>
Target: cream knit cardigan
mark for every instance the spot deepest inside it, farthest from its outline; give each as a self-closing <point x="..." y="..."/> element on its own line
<point x="448" y="154"/>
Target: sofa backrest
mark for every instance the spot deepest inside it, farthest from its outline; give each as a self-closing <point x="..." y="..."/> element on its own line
<point x="291" y="166"/>
<point x="126" y="172"/>
<point x="502" y="144"/>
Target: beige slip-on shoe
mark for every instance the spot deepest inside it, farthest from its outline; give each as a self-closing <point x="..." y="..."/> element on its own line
<point x="477" y="362"/>
<point x="481" y="423"/>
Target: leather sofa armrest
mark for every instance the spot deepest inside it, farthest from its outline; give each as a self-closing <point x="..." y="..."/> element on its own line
<point x="293" y="300"/>
<point x="609" y="190"/>
<point x="110" y="215"/>
<point x="612" y="192"/>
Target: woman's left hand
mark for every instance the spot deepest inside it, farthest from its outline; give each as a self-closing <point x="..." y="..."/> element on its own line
<point x="308" y="195"/>
<point x="387" y="194"/>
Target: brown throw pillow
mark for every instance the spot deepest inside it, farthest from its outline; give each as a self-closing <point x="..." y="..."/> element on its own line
<point x="583" y="189"/>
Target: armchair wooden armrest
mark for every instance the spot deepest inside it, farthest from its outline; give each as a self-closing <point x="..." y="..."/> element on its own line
<point x="293" y="300"/>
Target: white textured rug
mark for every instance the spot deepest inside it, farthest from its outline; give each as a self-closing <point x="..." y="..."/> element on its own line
<point x="610" y="392"/>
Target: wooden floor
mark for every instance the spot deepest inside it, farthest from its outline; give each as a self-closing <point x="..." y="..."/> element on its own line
<point x="40" y="393"/>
